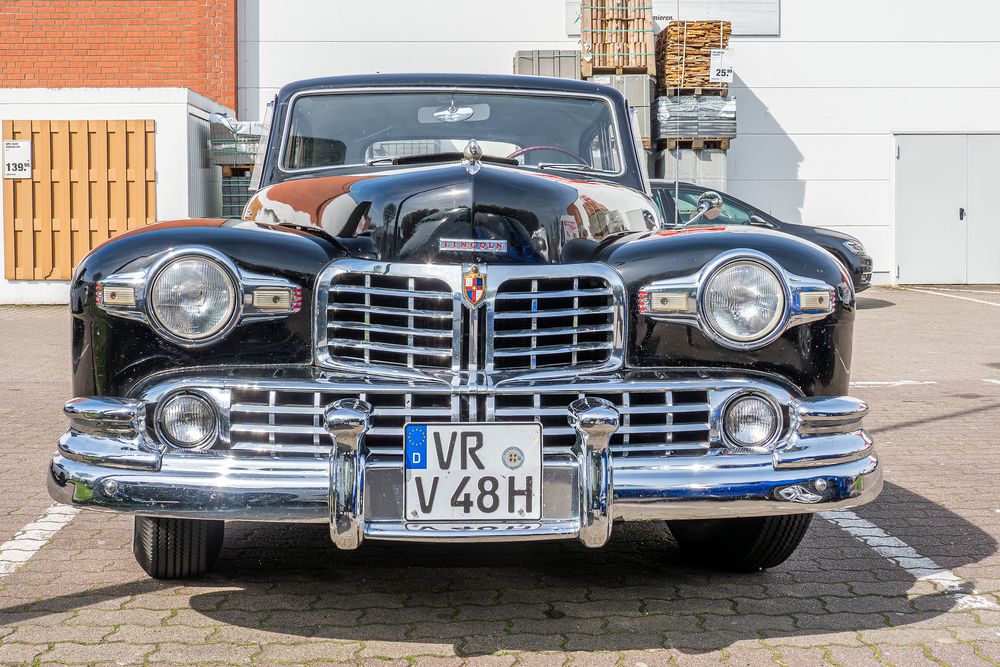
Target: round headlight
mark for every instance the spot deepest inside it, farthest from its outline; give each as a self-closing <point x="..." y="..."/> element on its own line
<point x="188" y="420"/>
<point x="744" y="301"/>
<point x="193" y="298"/>
<point x="750" y="421"/>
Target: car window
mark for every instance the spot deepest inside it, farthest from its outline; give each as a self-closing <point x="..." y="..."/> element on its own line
<point x="340" y="129"/>
<point x="660" y="197"/>
<point x="732" y="214"/>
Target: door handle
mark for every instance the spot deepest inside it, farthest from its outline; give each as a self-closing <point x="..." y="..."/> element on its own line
<point x="961" y="214"/>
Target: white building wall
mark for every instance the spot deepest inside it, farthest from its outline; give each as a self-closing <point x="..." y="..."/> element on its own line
<point x="184" y="181"/>
<point x="818" y="105"/>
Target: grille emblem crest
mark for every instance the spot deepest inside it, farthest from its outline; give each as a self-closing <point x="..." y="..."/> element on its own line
<point x="474" y="286"/>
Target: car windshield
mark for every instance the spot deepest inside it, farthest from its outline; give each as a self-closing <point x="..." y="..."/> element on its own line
<point x="329" y="130"/>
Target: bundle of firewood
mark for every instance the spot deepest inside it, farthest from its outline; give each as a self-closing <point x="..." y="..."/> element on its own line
<point x="617" y="37"/>
<point x="684" y="51"/>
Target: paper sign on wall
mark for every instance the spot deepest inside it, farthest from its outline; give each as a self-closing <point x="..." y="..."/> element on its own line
<point x="721" y="66"/>
<point x="17" y="159"/>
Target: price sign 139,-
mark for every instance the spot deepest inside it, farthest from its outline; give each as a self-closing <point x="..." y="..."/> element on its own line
<point x="17" y="159"/>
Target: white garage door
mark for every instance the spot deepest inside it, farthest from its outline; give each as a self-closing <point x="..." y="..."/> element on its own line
<point x="947" y="208"/>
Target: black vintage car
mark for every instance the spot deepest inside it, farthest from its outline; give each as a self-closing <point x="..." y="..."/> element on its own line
<point x="451" y="313"/>
<point x="844" y="247"/>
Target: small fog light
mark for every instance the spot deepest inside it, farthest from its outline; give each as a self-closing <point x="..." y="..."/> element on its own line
<point x="188" y="421"/>
<point x="750" y="421"/>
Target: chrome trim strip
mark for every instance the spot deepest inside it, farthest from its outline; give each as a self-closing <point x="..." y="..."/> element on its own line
<point x="472" y="533"/>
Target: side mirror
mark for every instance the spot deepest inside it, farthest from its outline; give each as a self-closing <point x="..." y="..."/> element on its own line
<point x="709" y="207"/>
<point x="758" y="221"/>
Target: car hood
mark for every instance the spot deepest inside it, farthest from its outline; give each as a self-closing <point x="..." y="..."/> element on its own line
<point x="817" y="234"/>
<point x="449" y="213"/>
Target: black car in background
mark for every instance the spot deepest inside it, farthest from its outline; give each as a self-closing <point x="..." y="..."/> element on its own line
<point x="845" y="247"/>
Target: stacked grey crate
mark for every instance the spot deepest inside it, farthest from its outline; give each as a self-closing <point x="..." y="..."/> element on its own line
<point x="639" y="90"/>
<point x="563" y="64"/>
<point x="232" y="145"/>
<point x="695" y="117"/>
<point x="232" y="142"/>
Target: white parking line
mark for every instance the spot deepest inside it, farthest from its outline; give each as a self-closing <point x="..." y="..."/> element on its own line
<point x="902" y="554"/>
<point x="953" y="296"/>
<point x="26" y="543"/>
<point x="890" y="383"/>
<point x="969" y="291"/>
<point x="991" y="381"/>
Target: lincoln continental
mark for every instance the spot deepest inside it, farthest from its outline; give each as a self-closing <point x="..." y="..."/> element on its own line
<point x="451" y="312"/>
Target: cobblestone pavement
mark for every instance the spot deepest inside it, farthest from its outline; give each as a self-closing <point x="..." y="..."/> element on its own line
<point x="283" y="594"/>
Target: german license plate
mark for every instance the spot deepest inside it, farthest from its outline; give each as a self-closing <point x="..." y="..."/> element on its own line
<point x="473" y="472"/>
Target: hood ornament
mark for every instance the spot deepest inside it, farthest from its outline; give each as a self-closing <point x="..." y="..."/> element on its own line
<point x="473" y="157"/>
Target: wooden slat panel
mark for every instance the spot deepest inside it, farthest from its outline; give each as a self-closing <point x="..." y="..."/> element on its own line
<point x="62" y="202"/>
<point x="150" y="172"/>
<point x="100" y="230"/>
<point x="117" y="177"/>
<point x="24" y="215"/>
<point x="135" y="143"/>
<point x="90" y="180"/>
<point x="41" y="183"/>
<point x="81" y="213"/>
<point x="8" y="214"/>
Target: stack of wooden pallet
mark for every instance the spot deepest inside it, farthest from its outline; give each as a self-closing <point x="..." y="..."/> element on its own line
<point x="683" y="56"/>
<point x="617" y="37"/>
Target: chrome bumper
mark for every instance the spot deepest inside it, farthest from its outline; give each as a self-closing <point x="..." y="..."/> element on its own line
<point x="105" y="461"/>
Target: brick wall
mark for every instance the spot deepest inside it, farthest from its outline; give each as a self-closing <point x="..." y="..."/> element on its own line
<point x="120" y="43"/>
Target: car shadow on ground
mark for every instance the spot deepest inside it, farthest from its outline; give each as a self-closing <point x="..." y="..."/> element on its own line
<point x="871" y="303"/>
<point x="637" y="593"/>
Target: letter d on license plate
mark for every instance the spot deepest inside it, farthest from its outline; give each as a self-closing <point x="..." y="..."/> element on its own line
<point x="473" y="472"/>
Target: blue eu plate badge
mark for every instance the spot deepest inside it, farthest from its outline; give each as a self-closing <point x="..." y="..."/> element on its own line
<point x="416" y="447"/>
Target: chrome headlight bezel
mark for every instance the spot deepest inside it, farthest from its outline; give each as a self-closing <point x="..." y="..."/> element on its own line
<point x="225" y="266"/>
<point x="682" y="300"/>
<point x="774" y="437"/>
<point x="210" y="439"/>
<point x="777" y="322"/>
<point x="256" y="296"/>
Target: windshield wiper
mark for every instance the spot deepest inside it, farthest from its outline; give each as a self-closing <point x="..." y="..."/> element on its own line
<point x="573" y="167"/>
<point x="418" y="158"/>
<point x="415" y="157"/>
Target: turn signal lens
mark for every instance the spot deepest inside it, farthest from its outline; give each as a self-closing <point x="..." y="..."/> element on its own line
<point x="750" y="421"/>
<point x="744" y="301"/>
<point x="188" y="421"/>
<point x="193" y="298"/>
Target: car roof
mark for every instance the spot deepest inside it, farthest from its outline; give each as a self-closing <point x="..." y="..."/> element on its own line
<point x="508" y="81"/>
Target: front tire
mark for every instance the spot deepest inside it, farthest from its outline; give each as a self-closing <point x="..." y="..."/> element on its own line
<point x="176" y="548"/>
<point x="741" y="545"/>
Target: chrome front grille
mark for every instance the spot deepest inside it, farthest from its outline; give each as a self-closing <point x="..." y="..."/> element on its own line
<point x="386" y="320"/>
<point x="655" y="421"/>
<point x="288" y="421"/>
<point x="556" y="322"/>
<point x="412" y="320"/>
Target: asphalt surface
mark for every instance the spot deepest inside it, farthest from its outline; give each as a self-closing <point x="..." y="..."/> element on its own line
<point x="911" y="579"/>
